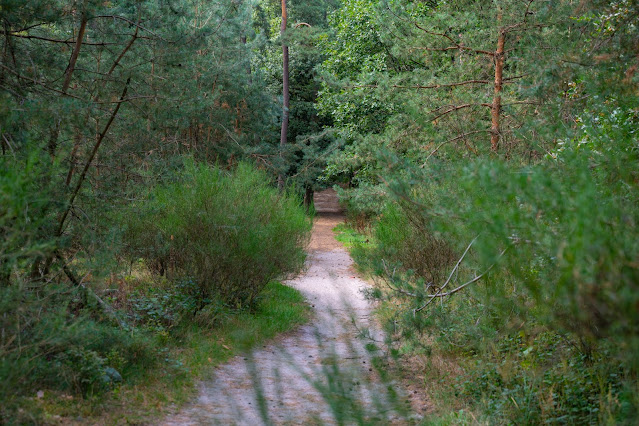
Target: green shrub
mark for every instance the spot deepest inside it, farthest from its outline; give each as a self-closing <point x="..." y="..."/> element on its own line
<point x="45" y="345"/>
<point x="233" y="232"/>
<point x="405" y="239"/>
<point x="27" y="212"/>
<point x="551" y="333"/>
<point x="570" y="227"/>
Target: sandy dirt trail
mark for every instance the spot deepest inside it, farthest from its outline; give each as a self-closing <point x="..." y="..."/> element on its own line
<point x="284" y="371"/>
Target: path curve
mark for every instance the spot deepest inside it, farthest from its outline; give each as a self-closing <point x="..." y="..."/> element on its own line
<point x="284" y="371"/>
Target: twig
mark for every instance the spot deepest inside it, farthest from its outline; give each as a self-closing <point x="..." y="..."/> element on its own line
<point x="33" y="80"/>
<point x="449" y="276"/>
<point x="133" y="23"/>
<point x="477" y="278"/>
<point x="128" y="46"/>
<point x="440" y="296"/>
<point x="452" y="140"/>
<point x="419" y="86"/>
<point x="32" y="37"/>
<point x="392" y="276"/>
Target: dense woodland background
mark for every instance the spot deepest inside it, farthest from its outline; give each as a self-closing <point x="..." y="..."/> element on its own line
<point x="487" y="156"/>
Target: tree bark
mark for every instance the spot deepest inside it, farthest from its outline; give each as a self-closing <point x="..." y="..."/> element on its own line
<point x="74" y="55"/>
<point x="68" y="74"/>
<point x="496" y="106"/>
<point x="78" y="136"/>
<point x="81" y="178"/>
<point x="285" y="90"/>
<point x="308" y="197"/>
<point x="94" y="151"/>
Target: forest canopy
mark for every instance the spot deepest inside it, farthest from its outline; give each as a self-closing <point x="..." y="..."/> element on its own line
<point x="485" y="152"/>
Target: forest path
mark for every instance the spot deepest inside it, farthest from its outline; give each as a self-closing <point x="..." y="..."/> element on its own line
<point x="275" y="384"/>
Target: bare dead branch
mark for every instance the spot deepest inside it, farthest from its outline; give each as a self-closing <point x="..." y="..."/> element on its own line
<point x="449" y="277"/>
<point x="51" y="40"/>
<point x="122" y="18"/>
<point x="128" y="46"/>
<point x="39" y="83"/>
<point x="440" y="295"/>
<point x="392" y="277"/>
<point x="453" y="140"/>
<point x="419" y="86"/>
<point x="477" y="278"/>
<point x="452" y="108"/>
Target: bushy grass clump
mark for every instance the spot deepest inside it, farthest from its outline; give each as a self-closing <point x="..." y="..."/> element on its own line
<point x="233" y="232"/>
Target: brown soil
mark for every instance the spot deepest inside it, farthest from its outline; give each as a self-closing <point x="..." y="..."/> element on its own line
<point x="329" y="215"/>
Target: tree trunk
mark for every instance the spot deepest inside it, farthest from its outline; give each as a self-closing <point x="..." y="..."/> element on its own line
<point x="68" y="74"/>
<point x="248" y="63"/>
<point x="92" y="155"/>
<point x="78" y="135"/>
<point x="308" y="197"/>
<point x="74" y="55"/>
<point x="496" y="106"/>
<point x="285" y="90"/>
<point x="5" y="273"/>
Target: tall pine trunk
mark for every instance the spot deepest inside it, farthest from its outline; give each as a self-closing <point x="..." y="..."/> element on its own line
<point x="285" y="90"/>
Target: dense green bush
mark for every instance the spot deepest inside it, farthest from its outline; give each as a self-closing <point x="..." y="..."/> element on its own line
<point x="570" y="228"/>
<point x="404" y="239"/>
<point x="47" y="343"/>
<point x="233" y="232"/>
<point x="222" y="235"/>
<point x="550" y="333"/>
<point x="26" y="212"/>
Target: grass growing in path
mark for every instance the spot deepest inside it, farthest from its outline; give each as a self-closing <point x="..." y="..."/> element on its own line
<point x="348" y="236"/>
<point x="188" y="357"/>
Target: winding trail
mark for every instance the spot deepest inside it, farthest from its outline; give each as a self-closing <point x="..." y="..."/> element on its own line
<point x="286" y="382"/>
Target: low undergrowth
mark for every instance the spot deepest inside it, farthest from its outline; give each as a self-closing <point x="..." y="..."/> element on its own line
<point x="172" y="355"/>
<point x="515" y="285"/>
<point x="479" y="366"/>
<point x="170" y="284"/>
<point x="232" y="231"/>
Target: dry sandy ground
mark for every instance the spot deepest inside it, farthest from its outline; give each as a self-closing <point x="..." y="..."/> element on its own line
<point x="288" y="371"/>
